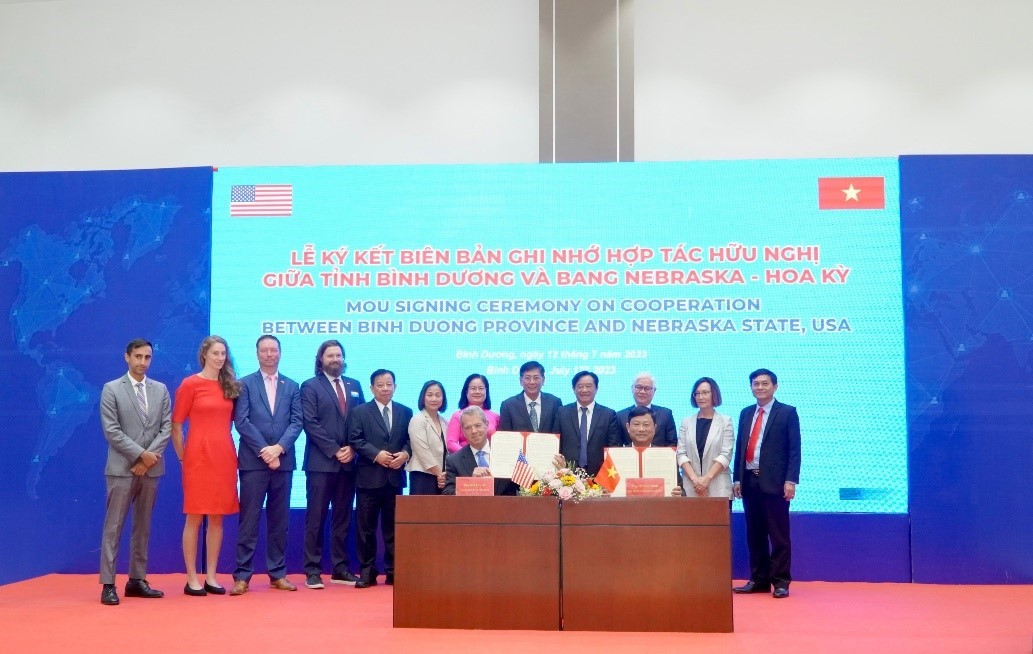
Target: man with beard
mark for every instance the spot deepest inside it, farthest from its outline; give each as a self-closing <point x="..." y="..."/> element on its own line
<point x="326" y="402"/>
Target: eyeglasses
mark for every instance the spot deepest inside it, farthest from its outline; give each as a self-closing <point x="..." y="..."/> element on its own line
<point x="701" y="393"/>
<point x="528" y="378"/>
<point x="643" y="389"/>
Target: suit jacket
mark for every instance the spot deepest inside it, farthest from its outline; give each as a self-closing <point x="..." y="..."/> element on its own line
<point x="461" y="464"/>
<point x="259" y="427"/>
<point x="368" y="434"/>
<point x="128" y="433"/>
<point x="665" y="436"/>
<point x="718" y="447"/>
<point x="602" y="432"/>
<point x="513" y="414"/>
<point x="779" y="447"/>
<point x="326" y="428"/>
<point x="425" y="440"/>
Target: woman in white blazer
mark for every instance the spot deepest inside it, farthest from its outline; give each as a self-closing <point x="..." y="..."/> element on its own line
<point x="427" y="431"/>
<point x="705" y="443"/>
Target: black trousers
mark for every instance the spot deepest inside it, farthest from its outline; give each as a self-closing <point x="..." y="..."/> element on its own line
<point x="324" y="489"/>
<point x="767" y="534"/>
<point x="421" y="483"/>
<point x="376" y="505"/>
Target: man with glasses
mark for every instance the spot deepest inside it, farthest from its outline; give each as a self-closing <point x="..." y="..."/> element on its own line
<point x="642" y="390"/>
<point x="531" y="410"/>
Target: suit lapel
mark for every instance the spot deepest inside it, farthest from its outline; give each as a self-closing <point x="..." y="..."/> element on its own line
<point x="714" y="430"/>
<point x="128" y="385"/>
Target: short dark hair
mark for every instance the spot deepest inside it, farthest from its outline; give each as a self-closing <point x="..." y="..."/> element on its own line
<point x="322" y="348"/>
<point x="532" y="365"/>
<point x="268" y="336"/>
<point x="639" y="411"/>
<point x="579" y="375"/>
<point x="423" y="391"/>
<point x="381" y="371"/>
<point x="138" y="342"/>
<point x="715" y="392"/>
<point x="463" y="402"/>
<point x="763" y="371"/>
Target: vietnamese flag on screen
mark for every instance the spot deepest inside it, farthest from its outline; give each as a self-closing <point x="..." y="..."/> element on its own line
<point x="851" y="193"/>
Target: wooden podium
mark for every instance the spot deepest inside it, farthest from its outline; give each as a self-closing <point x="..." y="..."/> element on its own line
<point x="611" y="564"/>
<point x="647" y="564"/>
<point x="477" y="563"/>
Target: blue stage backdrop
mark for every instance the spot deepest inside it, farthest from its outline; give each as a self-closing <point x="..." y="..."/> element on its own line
<point x="968" y="288"/>
<point x="88" y="261"/>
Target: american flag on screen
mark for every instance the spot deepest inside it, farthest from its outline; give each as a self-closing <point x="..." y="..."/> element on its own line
<point x="523" y="473"/>
<point x="261" y="200"/>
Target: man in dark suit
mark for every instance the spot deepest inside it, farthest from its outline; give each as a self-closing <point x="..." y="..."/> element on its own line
<point x="643" y="389"/>
<point x="531" y="410"/>
<point x="474" y="458"/>
<point x="268" y="418"/>
<point x="586" y="427"/>
<point x="327" y="400"/>
<point x="767" y="470"/>
<point x="136" y="417"/>
<point x="379" y="432"/>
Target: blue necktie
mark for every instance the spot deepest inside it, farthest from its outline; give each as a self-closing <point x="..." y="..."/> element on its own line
<point x="582" y="457"/>
<point x="482" y="461"/>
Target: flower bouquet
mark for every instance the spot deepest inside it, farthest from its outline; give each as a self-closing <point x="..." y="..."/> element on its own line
<point x="569" y="484"/>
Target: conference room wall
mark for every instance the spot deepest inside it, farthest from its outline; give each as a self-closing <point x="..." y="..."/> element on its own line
<point x="810" y="78"/>
<point x="129" y="84"/>
<point x="102" y="84"/>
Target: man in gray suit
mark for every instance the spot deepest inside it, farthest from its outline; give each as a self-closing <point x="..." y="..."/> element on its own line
<point x="136" y="417"/>
<point x="268" y="418"/>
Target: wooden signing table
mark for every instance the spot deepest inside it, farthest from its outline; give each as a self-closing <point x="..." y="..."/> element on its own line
<point x="612" y="564"/>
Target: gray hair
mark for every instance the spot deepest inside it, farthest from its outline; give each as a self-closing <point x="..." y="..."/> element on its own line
<point x="475" y="411"/>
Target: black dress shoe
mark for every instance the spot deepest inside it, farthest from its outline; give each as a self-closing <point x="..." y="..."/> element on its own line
<point x="780" y="593"/>
<point x="108" y="595"/>
<point x="366" y="582"/>
<point x="140" y="588"/>
<point x="752" y="587"/>
<point x="214" y="590"/>
<point x="194" y="592"/>
<point x="390" y="579"/>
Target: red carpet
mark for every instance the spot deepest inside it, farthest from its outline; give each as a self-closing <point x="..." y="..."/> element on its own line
<point x="63" y="613"/>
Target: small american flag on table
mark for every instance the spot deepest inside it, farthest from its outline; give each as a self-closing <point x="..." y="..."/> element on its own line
<point x="523" y="473"/>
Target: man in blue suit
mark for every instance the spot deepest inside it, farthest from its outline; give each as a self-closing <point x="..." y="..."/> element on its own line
<point x="379" y="432"/>
<point x="268" y="419"/>
<point x="327" y="401"/>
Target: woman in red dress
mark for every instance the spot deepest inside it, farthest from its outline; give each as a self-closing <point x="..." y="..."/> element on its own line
<point x="205" y="400"/>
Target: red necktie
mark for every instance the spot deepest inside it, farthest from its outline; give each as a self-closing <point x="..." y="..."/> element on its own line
<point x="751" y="447"/>
<point x="340" y="397"/>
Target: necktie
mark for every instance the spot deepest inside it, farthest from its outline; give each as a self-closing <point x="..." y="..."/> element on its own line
<point x="582" y="457"/>
<point x="270" y="390"/>
<point x="387" y="419"/>
<point x="482" y="461"/>
<point x="533" y="413"/>
<point x="141" y="400"/>
<point x="751" y="447"/>
<point x="341" y="402"/>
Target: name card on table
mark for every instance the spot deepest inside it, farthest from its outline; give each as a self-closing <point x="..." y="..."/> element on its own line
<point x="644" y="487"/>
<point x="475" y="486"/>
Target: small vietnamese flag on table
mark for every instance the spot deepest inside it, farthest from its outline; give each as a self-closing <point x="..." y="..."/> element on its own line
<point x="608" y="477"/>
<point x="851" y="193"/>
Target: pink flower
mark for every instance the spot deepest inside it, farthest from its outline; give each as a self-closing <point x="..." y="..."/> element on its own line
<point x="566" y="493"/>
